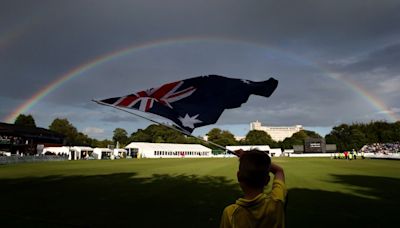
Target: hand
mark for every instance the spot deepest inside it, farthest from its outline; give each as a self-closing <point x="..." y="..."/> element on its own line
<point x="239" y="152"/>
<point x="277" y="171"/>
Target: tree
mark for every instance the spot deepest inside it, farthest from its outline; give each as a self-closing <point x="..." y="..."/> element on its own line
<point x="101" y="143"/>
<point x="256" y="137"/>
<point x="312" y="134"/>
<point x="63" y="126"/>
<point x="298" y="138"/>
<point x="354" y="136"/>
<point x="83" y="139"/>
<point x="25" y="120"/>
<point x="357" y="139"/>
<point x="158" y="134"/>
<point x="121" y="136"/>
<point x="223" y="138"/>
<point x="340" y="135"/>
<point x="140" y="136"/>
<point x="214" y="134"/>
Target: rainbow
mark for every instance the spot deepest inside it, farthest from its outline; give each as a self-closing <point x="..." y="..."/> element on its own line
<point x="370" y="98"/>
<point x="79" y="70"/>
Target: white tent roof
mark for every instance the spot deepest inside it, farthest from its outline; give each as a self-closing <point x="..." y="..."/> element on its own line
<point x="84" y="148"/>
<point x="275" y="150"/>
<point x="98" y="149"/>
<point x="59" y="149"/>
<point x="167" y="146"/>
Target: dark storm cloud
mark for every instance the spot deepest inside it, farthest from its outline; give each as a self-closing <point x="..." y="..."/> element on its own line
<point x="42" y="40"/>
<point x="378" y="70"/>
<point x="384" y="59"/>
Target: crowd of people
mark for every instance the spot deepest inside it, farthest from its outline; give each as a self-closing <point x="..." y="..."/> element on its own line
<point x="384" y="148"/>
<point x="375" y="148"/>
<point x="10" y="140"/>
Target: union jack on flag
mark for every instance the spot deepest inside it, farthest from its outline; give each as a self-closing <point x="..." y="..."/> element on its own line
<point x="197" y="101"/>
<point x="165" y="95"/>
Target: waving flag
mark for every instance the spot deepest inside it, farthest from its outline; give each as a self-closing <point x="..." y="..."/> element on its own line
<point x="195" y="102"/>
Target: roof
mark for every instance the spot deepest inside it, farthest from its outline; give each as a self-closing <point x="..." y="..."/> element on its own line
<point x="167" y="146"/>
<point x="58" y="149"/>
<point x="29" y="132"/>
<point x="85" y="148"/>
<point x="98" y="149"/>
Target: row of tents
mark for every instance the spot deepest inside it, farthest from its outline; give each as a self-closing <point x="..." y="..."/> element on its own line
<point x="148" y="150"/>
<point x="84" y="152"/>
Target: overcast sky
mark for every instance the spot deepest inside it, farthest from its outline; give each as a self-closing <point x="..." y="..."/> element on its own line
<point x="336" y="61"/>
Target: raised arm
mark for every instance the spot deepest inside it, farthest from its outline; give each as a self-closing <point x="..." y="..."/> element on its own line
<point x="277" y="171"/>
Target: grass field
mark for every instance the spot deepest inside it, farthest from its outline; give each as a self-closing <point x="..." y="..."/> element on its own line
<point x="192" y="193"/>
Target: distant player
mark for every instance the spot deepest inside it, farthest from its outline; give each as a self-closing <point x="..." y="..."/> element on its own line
<point x="257" y="209"/>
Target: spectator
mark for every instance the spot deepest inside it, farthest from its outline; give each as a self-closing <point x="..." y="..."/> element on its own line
<point x="255" y="209"/>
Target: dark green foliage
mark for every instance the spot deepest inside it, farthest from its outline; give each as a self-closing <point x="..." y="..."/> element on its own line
<point x="25" y="120"/>
<point x="63" y="126"/>
<point x="73" y="137"/>
<point x="256" y="137"/>
<point x="221" y="137"/>
<point x="121" y="136"/>
<point x="354" y="136"/>
<point x="158" y="134"/>
<point x="298" y="139"/>
<point x="101" y="143"/>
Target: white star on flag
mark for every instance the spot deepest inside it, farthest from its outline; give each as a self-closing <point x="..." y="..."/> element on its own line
<point x="188" y="121"/>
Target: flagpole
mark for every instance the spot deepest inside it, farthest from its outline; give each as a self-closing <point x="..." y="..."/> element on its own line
<point x="165" y="125"/>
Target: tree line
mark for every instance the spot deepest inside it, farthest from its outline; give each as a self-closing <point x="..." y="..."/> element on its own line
<point x="346" y="137"/>
<point x="354" y="136"/>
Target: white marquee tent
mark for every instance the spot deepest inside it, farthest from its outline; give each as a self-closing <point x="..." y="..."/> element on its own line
<point x="167" y="150"/>
<point x="73" y="152"/>
<point x="102" y="153"/>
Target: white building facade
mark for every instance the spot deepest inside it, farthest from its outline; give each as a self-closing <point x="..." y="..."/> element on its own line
<point x="277" y="133"/>
<point x="167" y="150"/>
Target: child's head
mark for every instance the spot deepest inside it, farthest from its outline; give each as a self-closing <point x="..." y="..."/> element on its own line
<point x="254" y="169"/>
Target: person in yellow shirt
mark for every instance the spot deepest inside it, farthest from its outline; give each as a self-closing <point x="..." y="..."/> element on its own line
<point x="255" y="208"/>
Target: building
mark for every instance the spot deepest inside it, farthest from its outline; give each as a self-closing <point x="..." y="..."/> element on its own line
<point x="17" y="139"/>
<point x="167" y="150"/>
<point x="277" y="133"/>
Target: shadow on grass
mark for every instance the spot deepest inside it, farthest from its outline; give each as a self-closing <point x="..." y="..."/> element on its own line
<point x="318" y="208"/>
<point x="126" y="200"/>
<point x="115" y="200"/>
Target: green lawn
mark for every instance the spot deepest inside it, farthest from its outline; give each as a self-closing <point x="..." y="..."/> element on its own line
<point x="192" y="193"/>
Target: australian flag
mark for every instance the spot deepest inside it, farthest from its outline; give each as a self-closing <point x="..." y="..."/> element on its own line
<point x="197" y="101"/>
